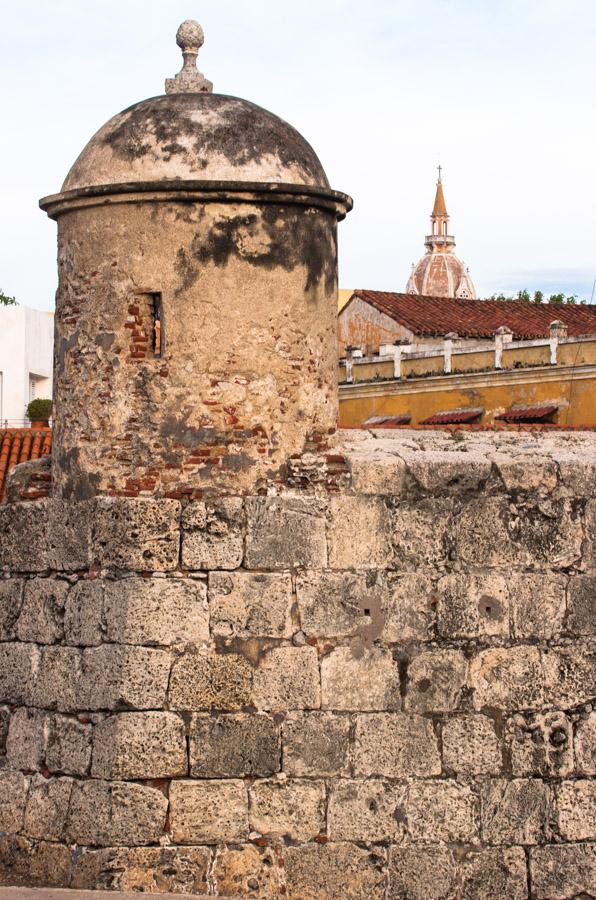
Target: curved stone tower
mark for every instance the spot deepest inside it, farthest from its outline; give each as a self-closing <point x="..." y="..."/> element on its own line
<point x="374" y="679"/>
<point x="196" y="309"/>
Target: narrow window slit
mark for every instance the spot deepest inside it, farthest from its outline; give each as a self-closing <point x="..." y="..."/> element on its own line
<point x="157" y="333"/>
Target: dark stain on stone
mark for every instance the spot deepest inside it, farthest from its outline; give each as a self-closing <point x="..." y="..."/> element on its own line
<point x="490" y="607"/>
<point x="64" y="345"/>
<point x="78" y="485"/>
<point x="194" y="127"/>
<point x="105" y="340"/>
<point x="289" y="236"/>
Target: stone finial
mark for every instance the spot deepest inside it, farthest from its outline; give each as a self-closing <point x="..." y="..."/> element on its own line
<point x="189" y="80"/>
<point x="558" y="329"/>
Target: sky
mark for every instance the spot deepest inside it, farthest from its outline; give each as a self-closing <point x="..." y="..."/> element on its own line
<point x="500" y="92"/>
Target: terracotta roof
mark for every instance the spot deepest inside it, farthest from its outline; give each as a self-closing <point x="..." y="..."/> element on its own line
<point x="527" y="412"/>
<point x="18" y="445"/>
<point x="454" y="416"/>
<point x="387" y="421"/>
<point x="437" y="316"/>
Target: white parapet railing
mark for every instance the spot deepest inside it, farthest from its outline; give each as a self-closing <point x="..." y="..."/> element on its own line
<point x="452" y="345"/>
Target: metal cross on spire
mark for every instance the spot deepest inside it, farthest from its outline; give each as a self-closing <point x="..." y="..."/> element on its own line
<point x="440" y="168"/>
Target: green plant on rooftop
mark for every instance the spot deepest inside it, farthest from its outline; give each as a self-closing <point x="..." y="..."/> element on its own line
<point x="39" y="410"/>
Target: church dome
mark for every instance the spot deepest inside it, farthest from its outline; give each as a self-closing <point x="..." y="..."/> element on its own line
<point x="196" y="136"/>
<point x="441" y="275"/>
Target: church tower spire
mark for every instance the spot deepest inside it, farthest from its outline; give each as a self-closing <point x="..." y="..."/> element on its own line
<point x="440" y="239"/>
<point x="440" y="273"/>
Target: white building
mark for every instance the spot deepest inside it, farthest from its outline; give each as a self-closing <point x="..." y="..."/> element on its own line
<point x="26" y="350"/>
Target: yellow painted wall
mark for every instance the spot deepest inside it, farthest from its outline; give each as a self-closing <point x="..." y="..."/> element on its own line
<point x="423" y="366"/>
<point x="465" y="362"/>
<point x="579" y="354"/>
<point x="342" y="298"/>
<point x="526" y="356"/>
<point x="493" y="391"/>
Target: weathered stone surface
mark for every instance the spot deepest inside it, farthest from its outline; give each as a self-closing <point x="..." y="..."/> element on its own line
<point x="356" y="678"/>
<point x="42" y="613"/>
<point x="421" y="873"/>
<point x="576" y="807"/>
<point x="247" y="871"/>
<point x="210" y="681"/>
<point x="114" y="677"/>
<point x="28" y="549"/>
<point x="515" y="812"/>
<point x="471" y="746"/>
<point x="13" y="797"/>
<point x="537" y="605"/>
<point x="16" y="672"/>
<point x="440" y="472"/>
<point x="436" y="873"/>
<point x="581" y="605"/>
<point x="206" y="812"/>
<point x="33" y="863"/>
<point x="11" y="598"/>
<point x="528" y="475"/>
<point x="104" y="814"/>
<point x="334" y="872"/>
<point x="541" y="744"/>
<point x="139" y="745"/>
<point x="563" y="871"/>
<point x="156" y="611"/>
<point x="374" y="475"/>
<point x="584" y="745"/>
<point x="494" y="874"/>
<point x="368" y="517"/>
<point x="83" y="614"/>
<point x="285" y="533"/>
<point x="69" y="534"/>
<point x="439" y="811"/>
<point x="26" y="742"/>
<point x="509" y="678"/>
<point x="408" y="608"/>
<point x="569" y="675"/>
<point x="332" y="604"/>
<point x="68" y="748"/>
<point x="290" y="808"/>
<point x="589" y="547"/>
<point x="213" y="534"/>
<point x="288" y="678"/>
<point x="244" y="605"/>
<point x="492" y="532"/>
<point x="435" y="681"/>
<point x="138" y="534"/>
<point x="57" y="679"/>
<point x="370" y="810"/>
<point x="473" y="606"/>
<point x="420" y="533"/>
<point x="234" y="746"/>
<point x="143" y="869"/>
<point x="4" y="724"/>
<point x="395" y="745"/>
<point x="369" y="605"/>
<point x="47" y="807"/>
<point x="316" y="744"/>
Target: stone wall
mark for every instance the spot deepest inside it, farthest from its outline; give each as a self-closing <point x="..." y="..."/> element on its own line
<point x="376" y="682"/>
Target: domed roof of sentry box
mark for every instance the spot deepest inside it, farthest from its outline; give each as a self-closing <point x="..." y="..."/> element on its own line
<point x="192" y="134"/>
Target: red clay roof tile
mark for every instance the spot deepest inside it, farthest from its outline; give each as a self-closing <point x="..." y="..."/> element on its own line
<point x="527" y="412"/>
<point x="19" y="445"/>
<point x="454" y="416"/>
<point x="437" y="316"/>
